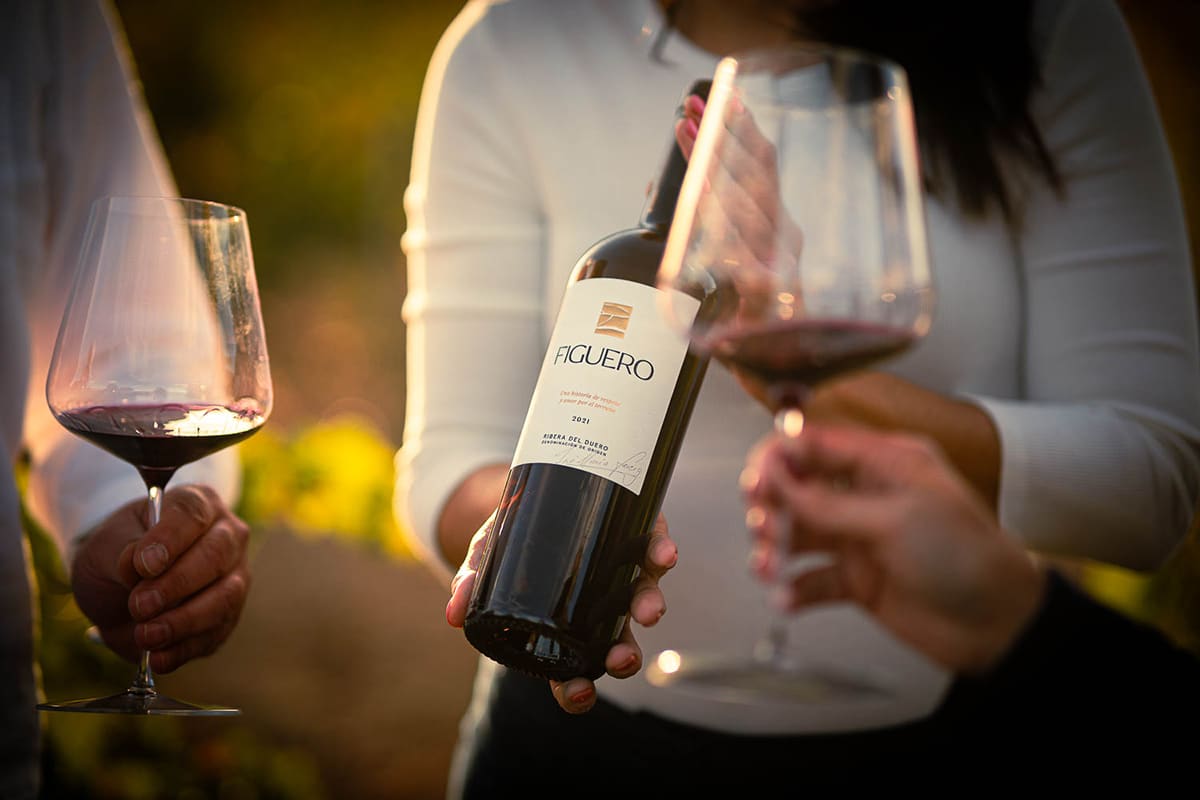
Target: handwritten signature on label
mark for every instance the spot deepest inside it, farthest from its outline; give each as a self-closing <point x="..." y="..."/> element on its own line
<point x="625" y="471"/>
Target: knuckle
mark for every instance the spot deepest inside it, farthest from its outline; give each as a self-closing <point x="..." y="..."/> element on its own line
<point x="165" y="661"/>
<point x="222" y="544"/>
<point x="233" y="598"/>
<point x="209" y="645"/>
<point x="195" y="503"/>
<point x="175" y="585"/>
<point x="241" y="533"/>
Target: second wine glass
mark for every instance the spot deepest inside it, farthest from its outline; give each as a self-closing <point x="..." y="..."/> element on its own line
<point x="801" y="227"/>
<point x="160" y="360"/>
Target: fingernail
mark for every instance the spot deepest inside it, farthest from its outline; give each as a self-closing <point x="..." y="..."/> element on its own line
<point x="748" y="480"/>
<point x="154" y="634"/>
<point x="756" y="519"/>
<point x="148" y="603"/>
<point x="579" y="698"/>
<point x="691" y="128"/>
<point x="154" y="558"/>
<point x="694" y="103"/>
<point x="628" y="663"/>
<point x="757" y="562"/>
<point x="667" y="555"/>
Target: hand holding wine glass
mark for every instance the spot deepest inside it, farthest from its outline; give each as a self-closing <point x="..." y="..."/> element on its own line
<point x="176" y="591"/>
<point x="161" y="360"/>
<point x="915" y="544"/>
<point x="800" y="227"/>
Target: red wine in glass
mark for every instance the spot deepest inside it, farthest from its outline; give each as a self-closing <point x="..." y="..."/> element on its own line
<point x="159" y="439"/>
<point x="794" y="355"/>
<point x="161" y="360"/>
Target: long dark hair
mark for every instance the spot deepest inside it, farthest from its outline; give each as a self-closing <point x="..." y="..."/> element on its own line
<point x="973" y="69"/>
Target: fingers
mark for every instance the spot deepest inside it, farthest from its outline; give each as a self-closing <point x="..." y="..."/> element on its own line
<point x="463" y="581"/>
<point x="194" y="578"/>
<point x="460" y="597"/>
<point x="119" y="638"/>
<point x="812" y="490"/>
<point x="106" y="552"/>
<point x="865" y="459"/>
<point x="198" y="626"/>
<point x="814" y="587"/>
<point x="661" y="552"/>
<point x="171" y="659"/>
<point x="216" y="553"/>
<point x="576" y="696"/>
<point x="688" y="125"/>
<point x="187" y="512"/>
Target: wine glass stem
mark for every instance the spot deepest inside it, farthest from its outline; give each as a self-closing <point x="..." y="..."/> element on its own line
<point x="789" y="421"/>
<point x="144" y="682"/>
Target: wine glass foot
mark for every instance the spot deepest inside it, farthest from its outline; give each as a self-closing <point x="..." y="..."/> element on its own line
<point x="134" y="701"/>
<point x="755" y="681"/>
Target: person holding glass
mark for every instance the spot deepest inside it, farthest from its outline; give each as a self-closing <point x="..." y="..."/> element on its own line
<point x="73" y="127"/>
<point x="1037" y="660"/>
<point x="1063" y="348"/>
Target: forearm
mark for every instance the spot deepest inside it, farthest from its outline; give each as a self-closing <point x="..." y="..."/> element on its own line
<point x="469" y="507"/>
<point x="963" y="430"/>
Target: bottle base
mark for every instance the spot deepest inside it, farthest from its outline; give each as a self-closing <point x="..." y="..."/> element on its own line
<point x="533" y="648"/>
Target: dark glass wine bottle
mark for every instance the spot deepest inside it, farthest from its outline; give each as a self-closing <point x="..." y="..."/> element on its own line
<point x="596" y="452"/>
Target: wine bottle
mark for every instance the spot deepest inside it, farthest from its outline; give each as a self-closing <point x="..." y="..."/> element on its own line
<point x="594" y="457"/>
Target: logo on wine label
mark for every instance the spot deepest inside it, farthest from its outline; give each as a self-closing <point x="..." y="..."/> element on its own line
<point x="614" y="319"/>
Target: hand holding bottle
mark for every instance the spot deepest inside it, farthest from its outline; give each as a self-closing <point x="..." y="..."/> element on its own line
<point x="646" y="607"/>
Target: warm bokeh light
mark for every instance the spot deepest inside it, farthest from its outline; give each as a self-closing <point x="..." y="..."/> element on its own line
<point x="668" y="662"/>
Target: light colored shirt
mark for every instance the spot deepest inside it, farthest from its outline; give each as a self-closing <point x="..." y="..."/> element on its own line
<point x="540" y="124"/>
<point x="73" y="126"/>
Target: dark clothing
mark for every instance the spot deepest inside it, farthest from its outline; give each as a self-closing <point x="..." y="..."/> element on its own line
<point x="1085" y="695"/>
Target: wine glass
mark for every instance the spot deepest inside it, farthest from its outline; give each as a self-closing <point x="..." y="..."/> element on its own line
<point x="160" y="359"/>
<point x="800" y="227"/>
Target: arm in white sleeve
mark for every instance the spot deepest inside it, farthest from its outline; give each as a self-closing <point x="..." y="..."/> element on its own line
<point x="1103" y="460"/>
<point x="475" y="252"/>
<point x="97" y="139"/>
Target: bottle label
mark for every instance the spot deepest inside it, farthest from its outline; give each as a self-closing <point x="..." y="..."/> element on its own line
<point x="606" y="382"/>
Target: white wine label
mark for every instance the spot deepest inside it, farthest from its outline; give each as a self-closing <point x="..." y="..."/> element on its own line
<point x="606" y="382"/>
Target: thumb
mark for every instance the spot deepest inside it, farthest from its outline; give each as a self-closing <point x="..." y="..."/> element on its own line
<point x="105" y="553"/>
<point x="460" y="596"/>
<point x="126" y="574"/>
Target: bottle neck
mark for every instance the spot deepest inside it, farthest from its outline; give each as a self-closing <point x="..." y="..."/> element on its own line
<point x="660" y="204"/>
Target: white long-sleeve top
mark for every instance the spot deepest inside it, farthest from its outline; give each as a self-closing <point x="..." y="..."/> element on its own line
<point x="73" y="126"/>
<point x="540" y="124"/>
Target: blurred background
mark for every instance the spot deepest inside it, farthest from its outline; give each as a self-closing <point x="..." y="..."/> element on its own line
<point x="302" y="113"/>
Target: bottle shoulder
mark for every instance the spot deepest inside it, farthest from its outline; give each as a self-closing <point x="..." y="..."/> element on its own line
<point x="633" y="254"/>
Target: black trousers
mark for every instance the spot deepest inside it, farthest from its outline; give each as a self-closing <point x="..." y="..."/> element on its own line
<point x="526" y="746"/>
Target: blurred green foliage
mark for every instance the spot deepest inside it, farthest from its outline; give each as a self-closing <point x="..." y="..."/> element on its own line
<point x="332" y="478"/>
<point x="1168" y="598"/>
<point x="300" y="111"/>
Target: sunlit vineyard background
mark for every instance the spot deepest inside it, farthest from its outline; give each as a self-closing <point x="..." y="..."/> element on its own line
<point x="302" y="113"/>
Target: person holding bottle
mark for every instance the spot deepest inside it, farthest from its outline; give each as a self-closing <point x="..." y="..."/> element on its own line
<point x="73" y="127"/>
<point x="1063" y="351"/>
